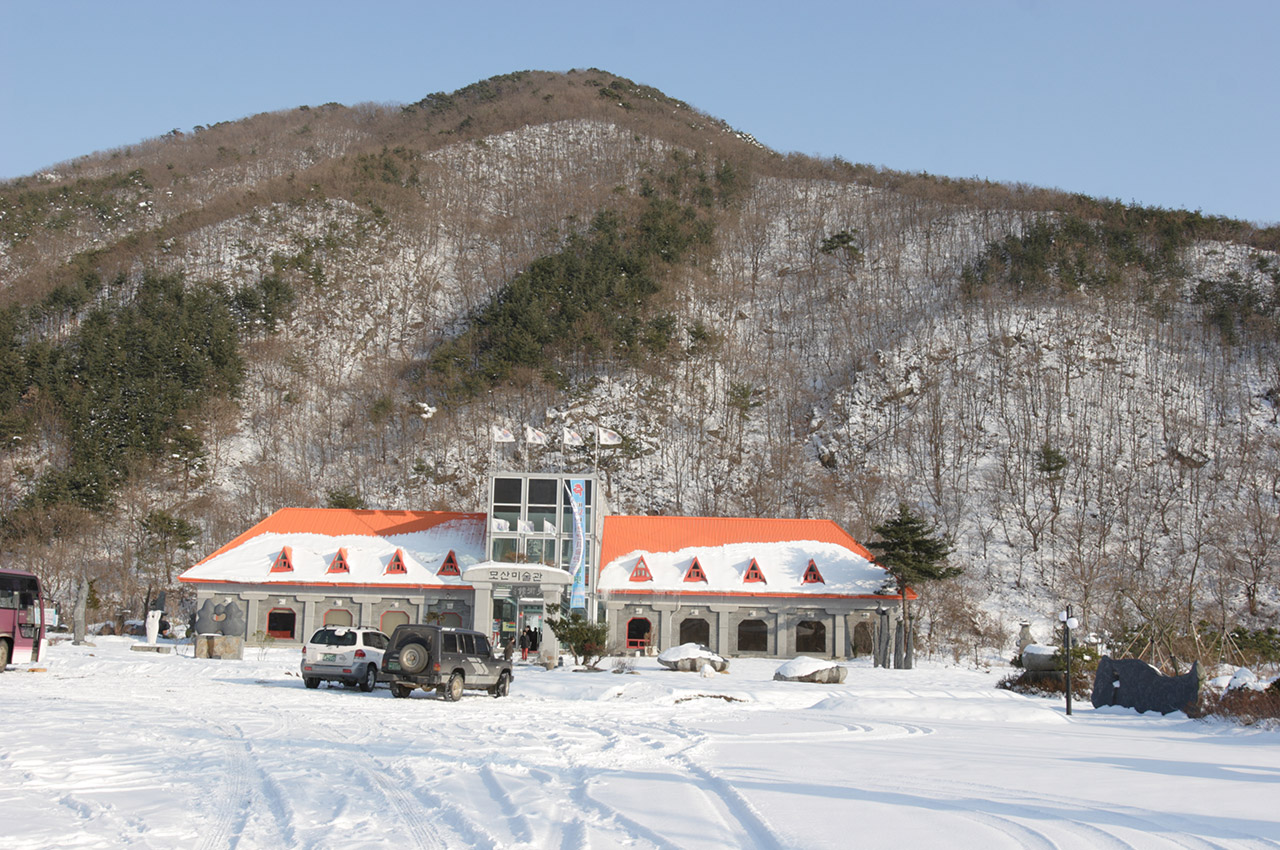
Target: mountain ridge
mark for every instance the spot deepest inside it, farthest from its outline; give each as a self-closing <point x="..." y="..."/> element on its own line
<point x="784" y="379"/>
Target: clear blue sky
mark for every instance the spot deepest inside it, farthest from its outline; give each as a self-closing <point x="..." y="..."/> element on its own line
<point x="1161" y="102"/>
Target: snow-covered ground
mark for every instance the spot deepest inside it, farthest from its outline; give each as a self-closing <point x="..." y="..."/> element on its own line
<point x="113" y="748"/>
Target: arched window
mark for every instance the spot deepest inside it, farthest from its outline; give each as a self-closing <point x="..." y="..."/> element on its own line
<point x="451" y="619"/>
<point x="281" y="623"/>
<point x="862" y="643"/>
<point x="753" y="636"/>
<point x="338" y="617"/>
<point x="811" y="636"/>
<point x="695" y="630"/>
<point x="391" y="619"/>
<point x="639" y="630"/>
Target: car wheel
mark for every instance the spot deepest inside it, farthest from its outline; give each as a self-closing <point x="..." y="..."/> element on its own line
<point x="400" y="691"/>
<point x="370" y="678"/>
<point x="5" y="655"/>
<point x="504" y="685"/>
<point x="413" y="657"/>
<point x="311" y="682"/>
<point x="453" y="691"/>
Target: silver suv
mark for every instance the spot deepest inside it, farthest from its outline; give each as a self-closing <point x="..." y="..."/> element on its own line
<point x="347" y="654"/>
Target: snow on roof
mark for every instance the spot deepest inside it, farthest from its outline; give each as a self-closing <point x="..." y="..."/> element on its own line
<point x="725" y="549"/>
<point x="370" y="538"/>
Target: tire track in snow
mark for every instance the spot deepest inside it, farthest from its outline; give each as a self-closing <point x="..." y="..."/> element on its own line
<point x="739" y="807"/>
<point x="420" y="832"/>
<point x="230" y="811"/>
<point x="1056" y="810"/>
<point x="237" y="798"/>
<point x="271" y="796"/>
<point x="517" y="822"/>
<point x="677" y="756"/>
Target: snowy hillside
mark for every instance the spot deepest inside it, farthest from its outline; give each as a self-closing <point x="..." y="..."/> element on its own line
<point x="1110" y="440"/>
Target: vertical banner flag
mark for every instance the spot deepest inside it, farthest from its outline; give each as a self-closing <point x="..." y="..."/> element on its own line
<point x="577" y="564"/>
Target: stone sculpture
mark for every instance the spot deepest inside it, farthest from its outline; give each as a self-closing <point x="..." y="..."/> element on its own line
<point x="223" y="618"/>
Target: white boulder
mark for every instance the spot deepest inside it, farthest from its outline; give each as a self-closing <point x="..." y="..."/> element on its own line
<point x="806" y="669"/>
<point x="691" y="658"/>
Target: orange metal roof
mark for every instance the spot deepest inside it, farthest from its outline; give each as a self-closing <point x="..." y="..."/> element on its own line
<point x="626" y="534"/>
<point x="338" y="522"/>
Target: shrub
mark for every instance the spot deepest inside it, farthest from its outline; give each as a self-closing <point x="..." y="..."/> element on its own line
<point x="1243" y="705"/>
<point x="1047" y="683"/>
<point x="585" y="641"/>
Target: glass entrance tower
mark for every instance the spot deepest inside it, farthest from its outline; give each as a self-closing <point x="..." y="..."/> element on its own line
<point x="553" y="519"/>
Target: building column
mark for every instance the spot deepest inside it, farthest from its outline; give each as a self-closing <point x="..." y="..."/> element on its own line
<point x="482" y="607"/>
<point x="615" y="617"/>
<point x="665" y="610"/>
<point x="308" y="623"/>
<point x="839" y="644"/>
<point x="251" y="613"/>
<point x="366" y="604"/>
<point x="548" y="647"/>
<point x="722" y="613"/>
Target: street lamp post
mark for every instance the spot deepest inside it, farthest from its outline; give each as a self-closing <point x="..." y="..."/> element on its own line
<point x="1068" y="623"/>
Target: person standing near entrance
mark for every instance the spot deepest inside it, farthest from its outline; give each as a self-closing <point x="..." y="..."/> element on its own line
<point x="524" y="644"/>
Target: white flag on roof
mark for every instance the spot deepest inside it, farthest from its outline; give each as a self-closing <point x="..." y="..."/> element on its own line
<point x="573" y="438"/>
<point x="524" y="526"/>
<point x="548" y="528"/>
<point x="501" y="525"/>
<point x="608" y="438"/>
<point x="534" y="437"/>
<point x="501" y="435"/>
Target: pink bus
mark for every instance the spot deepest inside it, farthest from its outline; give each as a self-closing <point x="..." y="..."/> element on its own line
<point x="21" y="617"/>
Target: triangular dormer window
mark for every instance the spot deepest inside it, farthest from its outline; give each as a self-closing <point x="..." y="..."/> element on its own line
<point x="811" y="575"/>
<point x="396" y="566"/>
<point x="695" y="572"/>
<point x="284" y="561"/>
<point x="450" y="566"/>
<point x="640" y="572"/>
<point x="339" y="563"/>
<point x="754" y="573"/>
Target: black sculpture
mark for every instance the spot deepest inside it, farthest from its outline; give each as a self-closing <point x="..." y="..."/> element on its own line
<point x="1135" y="684"/>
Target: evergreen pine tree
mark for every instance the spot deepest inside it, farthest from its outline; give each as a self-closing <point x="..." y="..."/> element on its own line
<point x="912" y="554"/>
